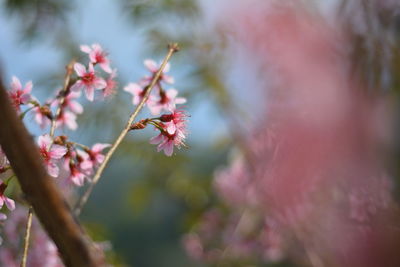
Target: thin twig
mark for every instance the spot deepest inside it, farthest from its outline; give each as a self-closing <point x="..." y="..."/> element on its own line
<point x="62" y="95"/>
<point x="27" y="236"/>
<point x="83" y="199"/>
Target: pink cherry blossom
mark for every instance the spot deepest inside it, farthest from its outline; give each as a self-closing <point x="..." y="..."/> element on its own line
<point x="137" y="91"/>
<point x="167" y="101"/>
<point x="175" y="121"/>
<point x="67" y="118"/>
<point x="70" y="102"/>
<point x="50" y="153"/>
<point x="3" y="199"/>
<point x="20" y="96"/>
<point x="153" y="67"/>
<point x="88" y="81"/>
<point x="76" y="175"/>
<point x="41" y="117"/>
<point x="111" y="86"/>
<point x="167" y="141"/>
<point x="95" y="153"/>
<point x="97" y="56"/>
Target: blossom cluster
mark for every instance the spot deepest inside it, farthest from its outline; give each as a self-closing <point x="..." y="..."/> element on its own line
<point x="172" y="125"/>
<point x="69" y="161"/>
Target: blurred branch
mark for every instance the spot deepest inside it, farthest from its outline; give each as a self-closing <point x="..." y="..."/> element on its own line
<point x="40" y="191"/>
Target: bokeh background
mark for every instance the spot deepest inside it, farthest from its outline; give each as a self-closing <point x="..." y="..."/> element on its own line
<point x="146" y="202"/>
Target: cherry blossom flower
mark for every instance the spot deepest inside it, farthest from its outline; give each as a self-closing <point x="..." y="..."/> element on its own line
<point x="167" y="141"/>
<point x="137" y="91"/>
<point x="50" y="153"/>
<point x="3" y="199"/>
<point x="42" y="114"/>
<point x="70" y="103"/>
<point x="97" y="56"/>
<point x="153" y="67"/>
<point x="167" y="101"/>
<point x="95" y="153"/>
<point x="76" y="175"/>
<point x="111" y="86"/>
<point x="88" y="81"/>
<point x="67" y="118"/>
<point x="175" y="121"/>
<point x="19" y="95"/>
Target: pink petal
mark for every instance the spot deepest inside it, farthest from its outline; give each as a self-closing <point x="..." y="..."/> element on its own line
<point x="133" y="88"/>
<point x="28" y="87"/>
<point x="75" y="107"/>
<point x="171" y="128"/>
<point x="86" y="165"/>
<point x="100" y="158"/>
<point x="96" y="47"/>
<point x="169" y="149"/>
<point x="180" y="100"/>
<point x="91" y="68"/>
<point x="89" y="91"/>
<point x="79" y="69"/>
<point x="85" y="49"/>
<point x="70" y="120"/>
<point x="16" y="84"/>
<point x="172" y="93"/>
<point x="57" y="151"/>
<point x="99" y="83"/>
<point x="168" y="79"/>
<point x="52" y="169"/>
<point x="45" y="141"/>
<point x="151" y="65"/>
<point x="2" y="201"/>
<point x="78" y="179"/>
<point x="9" y="203"/>
<point x="3" y="216"/>
<point x="155" y="109"/>
<point x="76" y="87"/>
<point x="156" y="139"/>
<point x="106" y="67"/>
<point x="92" y="56"/>
<point x="99" y="147"/>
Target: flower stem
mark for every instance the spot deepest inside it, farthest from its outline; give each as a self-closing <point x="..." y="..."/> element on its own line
<point x="62" y="96"/>
<point x="83" y="199"/>
<point x="27" y="236"/>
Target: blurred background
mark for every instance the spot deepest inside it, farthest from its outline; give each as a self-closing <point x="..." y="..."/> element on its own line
<point x="240" y="74"/>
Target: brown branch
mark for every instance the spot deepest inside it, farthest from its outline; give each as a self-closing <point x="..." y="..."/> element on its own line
<point x="41" y="192"/>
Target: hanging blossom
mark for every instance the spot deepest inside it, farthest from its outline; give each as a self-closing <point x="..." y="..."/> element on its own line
<point x="167" y="100"/>
<point x="172" y="132"/>
<point x="42" y="115"/>
<point x="137" y="91"/>
<point x="78" y="166"/>
<point x="111" y="86"/>
<point x="20" y="96"/>
<point x="153" y="67"/>
<point x="97" y="56"/>
<point x="68" y="119"/>
<point x="50" y="153"/>
<point x="70" y="102"/>
<point x="87" y="81"/>
<point x="95" y="153"/>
